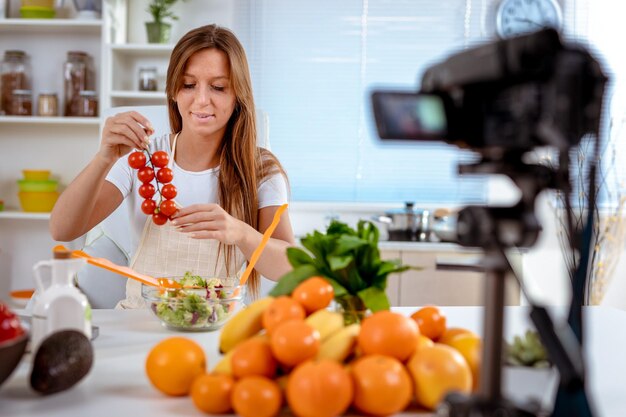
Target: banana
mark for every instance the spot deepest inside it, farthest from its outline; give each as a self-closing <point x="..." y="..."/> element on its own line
<point x="243" y="325"/>
<point x="223" y="366"/>
<point x="340" y="345"/>
<point x="326" y="322"/>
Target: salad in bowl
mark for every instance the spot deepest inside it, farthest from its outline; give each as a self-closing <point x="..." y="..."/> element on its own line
<point x="200" y="304"/>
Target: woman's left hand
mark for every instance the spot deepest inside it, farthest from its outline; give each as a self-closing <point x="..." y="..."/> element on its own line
<point x="209" y="221"/>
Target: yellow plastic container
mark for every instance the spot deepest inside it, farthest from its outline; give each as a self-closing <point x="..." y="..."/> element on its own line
<point x="36" y="174"/>
<point x="41" y="202"/>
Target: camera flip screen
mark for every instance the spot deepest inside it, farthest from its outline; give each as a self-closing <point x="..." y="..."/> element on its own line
<point x="409" y="116"/>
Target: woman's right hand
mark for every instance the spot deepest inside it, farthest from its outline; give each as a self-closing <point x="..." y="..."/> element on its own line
<point x="123" y="133"/>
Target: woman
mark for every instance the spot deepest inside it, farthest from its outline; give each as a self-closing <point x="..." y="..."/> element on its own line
<point x="228" y="188"/>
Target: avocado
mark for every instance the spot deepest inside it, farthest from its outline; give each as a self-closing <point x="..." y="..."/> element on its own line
<point x="63" y="359"/>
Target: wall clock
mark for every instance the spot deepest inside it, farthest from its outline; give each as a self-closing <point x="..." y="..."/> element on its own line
<point x="516" y="17"/>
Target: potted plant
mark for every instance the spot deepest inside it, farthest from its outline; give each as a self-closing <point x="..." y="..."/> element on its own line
<point x="158" y="30"/>
<point x="350" y="261"/>
<point x="528" y="373"/>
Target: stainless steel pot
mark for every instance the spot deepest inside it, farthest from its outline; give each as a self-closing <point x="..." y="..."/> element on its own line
<point x="444" y="227"/>
<point x="406" y="224"/>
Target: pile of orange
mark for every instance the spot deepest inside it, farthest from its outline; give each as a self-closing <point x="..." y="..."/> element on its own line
<point x="395" y="361"/>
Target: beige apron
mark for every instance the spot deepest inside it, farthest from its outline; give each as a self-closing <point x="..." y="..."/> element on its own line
<point x="163" y="251"/>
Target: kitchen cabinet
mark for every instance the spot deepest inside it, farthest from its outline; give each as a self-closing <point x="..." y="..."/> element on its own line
<point x="430" y="285"/>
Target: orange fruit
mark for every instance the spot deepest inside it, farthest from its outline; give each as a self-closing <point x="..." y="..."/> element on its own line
<point x="280" y="310"/>
<point x="314" y="294"/>
<point x="382" y="385"/>
<point x="469" y="346"/>
<point x="423" y="341"/>
<point x="294" y="342"/>
<point x="388" y="333"/>
<point x="451" y="333"/>
<point x="253" y="357"/>
<point x="431" y="321"/>
<point x="319" y="389"/>
<point x="256" y="396"/>
<point x="435" y="371"/>
<point x="174" y="363"/>
<point x="211" y="393"/>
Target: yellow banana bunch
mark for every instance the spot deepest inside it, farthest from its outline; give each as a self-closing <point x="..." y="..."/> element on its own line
<point x="243" y="325"/>
<point x="340" y="345"/>
<point x="326" y="322"/>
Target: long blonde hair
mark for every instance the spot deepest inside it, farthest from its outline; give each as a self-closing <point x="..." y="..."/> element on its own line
<point x="243" y="165"/>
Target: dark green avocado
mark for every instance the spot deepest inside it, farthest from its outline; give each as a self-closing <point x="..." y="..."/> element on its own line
<point x="63" y="359"/>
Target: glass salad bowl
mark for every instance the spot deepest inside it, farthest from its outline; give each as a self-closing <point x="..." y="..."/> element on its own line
<point x="201" y="304"/>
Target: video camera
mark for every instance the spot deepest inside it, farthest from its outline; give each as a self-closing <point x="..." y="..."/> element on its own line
<point x="503" y="100"/>
<point x="508" y="96"/>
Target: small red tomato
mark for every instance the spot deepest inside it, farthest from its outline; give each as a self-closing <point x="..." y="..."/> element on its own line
<point x="169" y="191"/>
<point x="147" y="190"/>
<point x="168" y="207"/>
<point x="145" y="174"/>
<point x="137" y="160"/>
<point x="10" y="326"/>
<point x="159" y="219"/>
<point x="164" y="175"/>
<point x="148" y="206"/>
<point x="160" y="159"/>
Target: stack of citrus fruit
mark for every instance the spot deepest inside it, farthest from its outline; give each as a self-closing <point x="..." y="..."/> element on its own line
<point x="293" y="350"/>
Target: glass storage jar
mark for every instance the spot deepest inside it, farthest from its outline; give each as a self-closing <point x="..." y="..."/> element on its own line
<point x="78" y="75"/>
<point x="15" y="74"/>
<point x="48" y="105"/>
<point x="147" y="79"/>
<point x="88" y="100"/>
<point x="22" y="103"/>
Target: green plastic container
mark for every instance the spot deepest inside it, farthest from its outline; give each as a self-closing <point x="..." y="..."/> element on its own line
<point x="34" y="12"/>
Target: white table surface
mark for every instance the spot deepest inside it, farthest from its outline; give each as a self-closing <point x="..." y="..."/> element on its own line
<point x="117" y="384"/>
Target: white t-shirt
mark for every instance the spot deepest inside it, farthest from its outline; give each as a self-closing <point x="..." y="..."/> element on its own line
<point x="193" y="188"/>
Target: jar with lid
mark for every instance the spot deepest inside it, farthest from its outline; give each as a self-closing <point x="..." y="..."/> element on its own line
<point x="21" y="103"/>
<point x="15" y="74"/>
<point x="77" y="76"/>
<point x="147" y="79"/>
<point x="48" y="105"/>
<point x="88" y="100"/>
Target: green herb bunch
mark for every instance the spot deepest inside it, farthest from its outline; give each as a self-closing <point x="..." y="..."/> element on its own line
<point x="348" y="259"/>
<point x="162" y="9"/>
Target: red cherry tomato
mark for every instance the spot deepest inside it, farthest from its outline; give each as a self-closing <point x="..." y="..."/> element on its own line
<point x="145" y="174"/>
<point x="159" y="219"/>
<point x="10" y="326"/>
<point x="169" y="191"/>
<point x="160" y="159"/>
<point x="164" y="175"/>
<point x="148" y="206"/>
<point x="147" y="190"/>
<point x="168" y="207"/>
<point x="137" y="160"/>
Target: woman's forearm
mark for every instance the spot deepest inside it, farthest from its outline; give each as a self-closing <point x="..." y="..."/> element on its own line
<point x="75" y="211"/>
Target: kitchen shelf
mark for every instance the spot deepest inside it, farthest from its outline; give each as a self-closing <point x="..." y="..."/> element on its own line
<point x="22" y="215"/>
<point x="141" y="95"/>
<point x="65" y="121"/>
<point x="73" y="26"/>
<point x="143" y="49"/>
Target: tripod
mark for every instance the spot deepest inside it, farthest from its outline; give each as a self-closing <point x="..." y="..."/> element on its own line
<point x="495" y="229"/>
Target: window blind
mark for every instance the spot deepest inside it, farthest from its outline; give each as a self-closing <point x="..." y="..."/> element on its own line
<point x="314" y="64"/>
